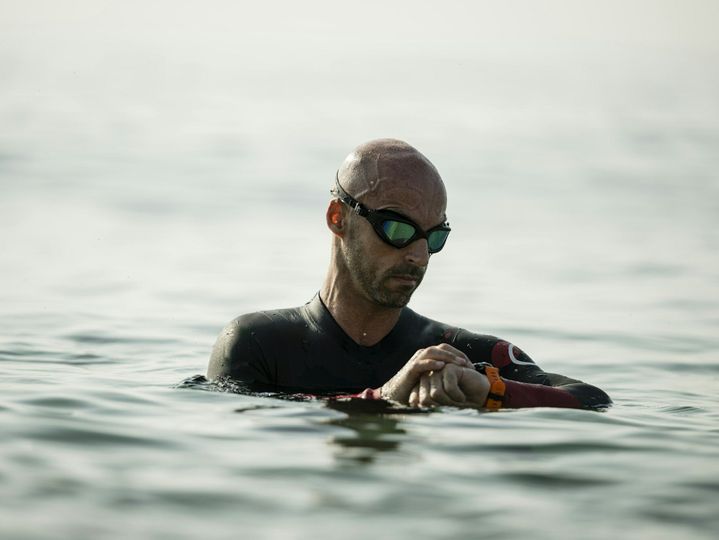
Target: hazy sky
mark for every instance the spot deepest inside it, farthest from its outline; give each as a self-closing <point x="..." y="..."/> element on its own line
<point x="508" y="25"/>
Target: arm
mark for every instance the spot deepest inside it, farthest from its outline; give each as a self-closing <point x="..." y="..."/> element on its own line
<point x="441" y="388"/>
<point x="426" y="380"/>
<point x="527" y="385"/>
<point x="521" y="381"/>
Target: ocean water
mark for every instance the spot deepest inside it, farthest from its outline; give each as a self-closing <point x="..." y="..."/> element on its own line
<point x="164" y="168"/>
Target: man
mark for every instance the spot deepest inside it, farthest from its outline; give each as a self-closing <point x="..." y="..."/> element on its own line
<point x="387" y="217"/>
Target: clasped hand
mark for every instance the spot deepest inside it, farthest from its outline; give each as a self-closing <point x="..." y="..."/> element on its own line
<point x="438" y="375"/>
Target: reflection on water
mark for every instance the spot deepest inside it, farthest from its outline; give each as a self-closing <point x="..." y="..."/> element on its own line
<point x="375" y="427"/>
<point x="371" y="435"/>
<point x="371" y="426"/>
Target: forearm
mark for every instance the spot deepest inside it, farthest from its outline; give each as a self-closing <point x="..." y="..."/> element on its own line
<point x="574" y="396"/>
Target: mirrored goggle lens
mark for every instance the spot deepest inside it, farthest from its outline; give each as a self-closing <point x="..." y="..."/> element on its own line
<point x="397" y="232"/>
<point x="436" y="240"/>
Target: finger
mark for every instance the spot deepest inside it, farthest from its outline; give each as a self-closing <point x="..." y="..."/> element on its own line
<point x="438" y="392"/>
<point x="423" y="365"/>
<point x="455" y="350"/>
<point x="450" y="384"/>
<point x="436" y="389"/>
<point x="399" y="387"/>
<point x="414" y="397"/>
<point x="446" y="353"/>
<point x="424" y="398"/>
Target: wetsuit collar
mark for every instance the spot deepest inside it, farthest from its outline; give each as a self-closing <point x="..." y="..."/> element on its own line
<point x="319" y="313"/>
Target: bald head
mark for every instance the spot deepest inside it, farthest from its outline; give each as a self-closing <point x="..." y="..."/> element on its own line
<point x="390" y="172"/>
<point x="380" y="257"/>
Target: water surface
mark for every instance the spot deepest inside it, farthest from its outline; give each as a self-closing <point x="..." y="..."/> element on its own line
<point x="162" y="174"/>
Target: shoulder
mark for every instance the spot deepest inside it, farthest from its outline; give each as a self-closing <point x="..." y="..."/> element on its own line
<point x="447" y="333"/>
<point x="269" y="319"/>
<point x="424" y="329"/>
<point x="240" y="343"/>
<point x="263" y="324"/>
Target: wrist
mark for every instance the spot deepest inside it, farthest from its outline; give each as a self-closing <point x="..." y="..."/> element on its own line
<point x="497" y="388"/>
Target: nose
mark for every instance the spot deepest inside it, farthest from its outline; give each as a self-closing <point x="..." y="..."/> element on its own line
<point x="417" y="253"/>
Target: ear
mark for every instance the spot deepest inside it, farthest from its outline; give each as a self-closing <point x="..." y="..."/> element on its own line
<point x="335" y="218"/>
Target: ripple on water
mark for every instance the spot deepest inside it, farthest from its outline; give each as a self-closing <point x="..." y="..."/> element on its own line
<point x="98" y="338"/>
<point x="534" y="448"/>
<point x="676" y="343"/>
<point x="56" y="402"/>
<point x="44" y="356"/>
<point x="704" y="485"/>
<point x="87" y="436"/>
<point x="187" y="499"/>
<point x="679" y="506"/>
<point x="555" y="479"/>
<point x="683" y="409"/>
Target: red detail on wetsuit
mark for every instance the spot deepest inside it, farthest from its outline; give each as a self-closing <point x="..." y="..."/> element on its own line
<point x="367" y="393"/>
<point x="500" y="354"/>
<point x="517" y="395"/>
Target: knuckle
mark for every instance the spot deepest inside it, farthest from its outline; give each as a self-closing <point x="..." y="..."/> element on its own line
<point x="424" y="353"/>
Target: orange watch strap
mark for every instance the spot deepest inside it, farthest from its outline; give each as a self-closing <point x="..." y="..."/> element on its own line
<point x="495" y="398"/>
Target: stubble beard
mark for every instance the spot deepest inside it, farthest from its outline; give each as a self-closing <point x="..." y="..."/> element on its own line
<point x="377" y="286"/>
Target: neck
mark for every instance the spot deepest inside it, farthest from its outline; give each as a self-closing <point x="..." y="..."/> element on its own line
<point x="362" y="320"/>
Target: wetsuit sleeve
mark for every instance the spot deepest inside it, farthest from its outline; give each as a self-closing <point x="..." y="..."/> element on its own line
<point x="527" y="385"/>
<point x="237" y="353"/>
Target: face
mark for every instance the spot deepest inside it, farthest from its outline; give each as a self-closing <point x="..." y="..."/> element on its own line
<point x="385" y="280"/>
<point x="384" y="274"/>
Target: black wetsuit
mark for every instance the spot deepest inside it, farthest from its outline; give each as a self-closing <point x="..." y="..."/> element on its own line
<point x="304" y="350"/>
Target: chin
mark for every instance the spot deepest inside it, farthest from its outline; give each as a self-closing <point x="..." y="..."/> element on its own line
<point x="394" y="299"/>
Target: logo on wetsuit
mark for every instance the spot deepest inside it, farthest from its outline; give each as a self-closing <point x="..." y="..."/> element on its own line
<point x="504" y="353"/>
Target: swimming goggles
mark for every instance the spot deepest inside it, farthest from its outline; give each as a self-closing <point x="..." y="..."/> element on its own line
<point x="394" y="228"/>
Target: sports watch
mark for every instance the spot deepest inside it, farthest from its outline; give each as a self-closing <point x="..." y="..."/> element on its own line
<point x="495" y="397"/>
